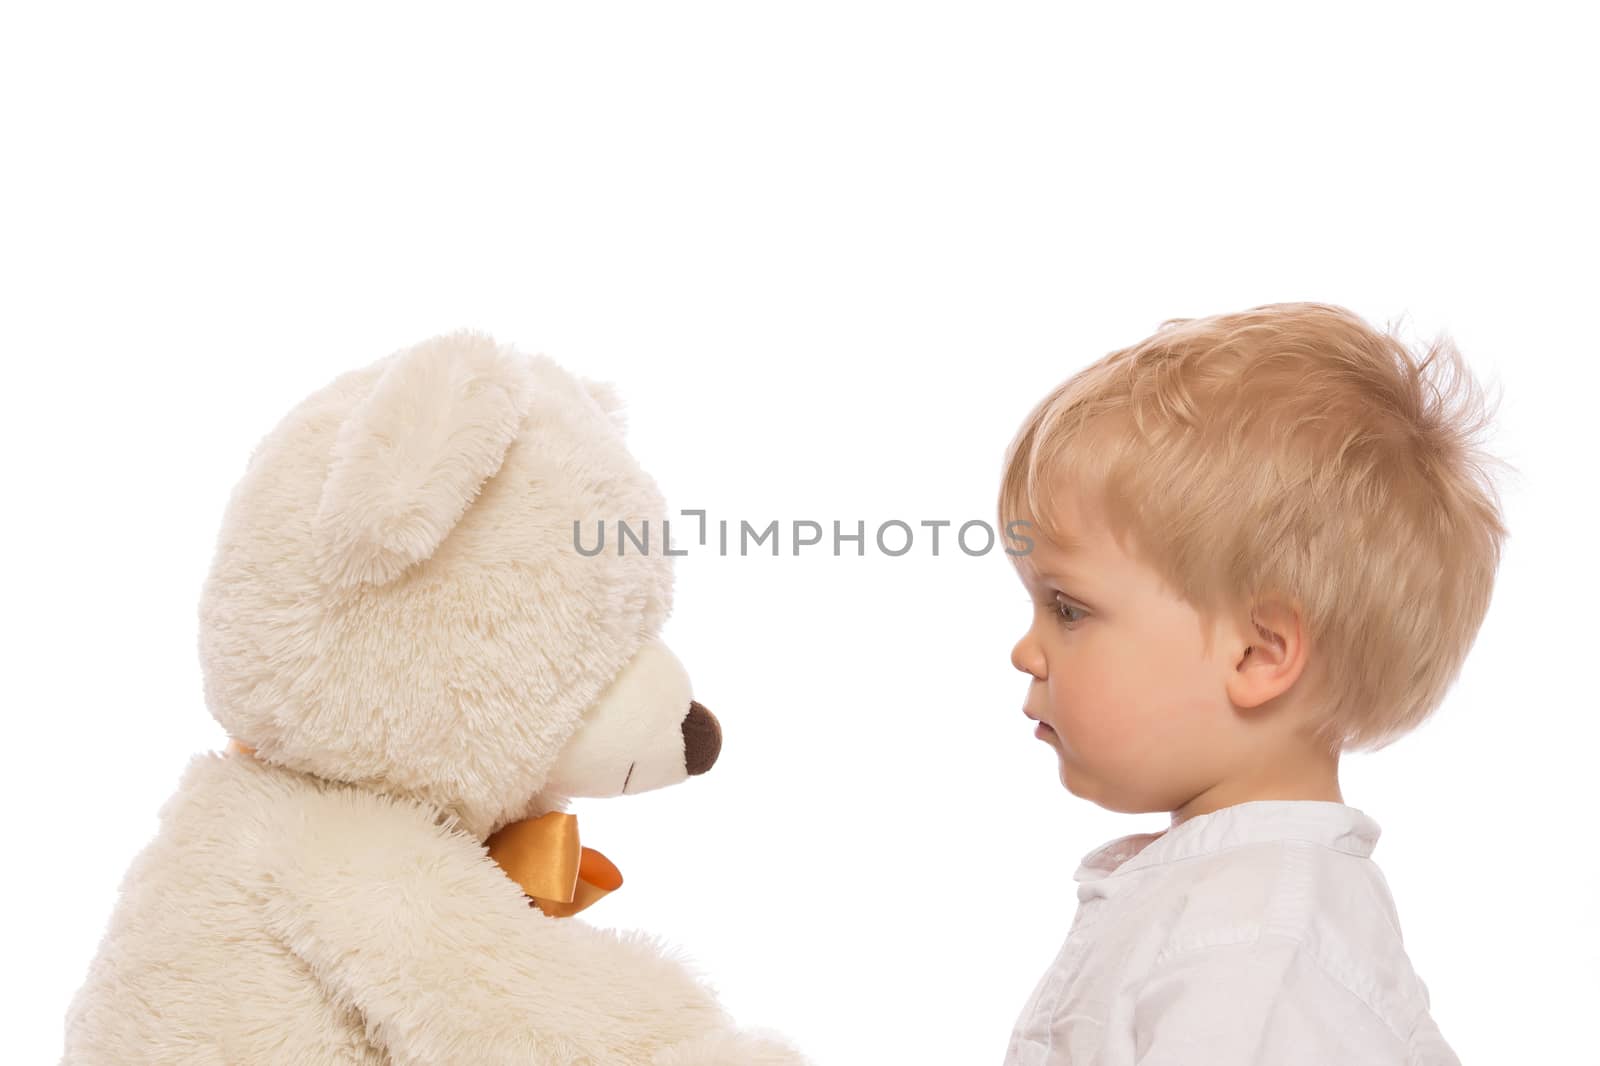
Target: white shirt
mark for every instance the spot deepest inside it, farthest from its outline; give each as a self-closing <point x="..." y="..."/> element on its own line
<point x="1261" y="934"/>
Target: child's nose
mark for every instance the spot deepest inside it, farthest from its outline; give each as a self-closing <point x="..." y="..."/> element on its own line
<point x="1025" y="657"/>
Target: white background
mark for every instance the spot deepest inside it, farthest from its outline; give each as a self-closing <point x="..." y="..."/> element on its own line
<point x="830" y="254"/>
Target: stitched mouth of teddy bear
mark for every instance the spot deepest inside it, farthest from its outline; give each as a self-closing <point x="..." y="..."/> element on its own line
<point x="625" y="780"/>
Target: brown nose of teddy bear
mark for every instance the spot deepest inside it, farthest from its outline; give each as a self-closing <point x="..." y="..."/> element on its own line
<point x="702" y="738"/>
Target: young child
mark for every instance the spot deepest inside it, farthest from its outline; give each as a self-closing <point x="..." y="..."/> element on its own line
<point x="1254" y="540"/>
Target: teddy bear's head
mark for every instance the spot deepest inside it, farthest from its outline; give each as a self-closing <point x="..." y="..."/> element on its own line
<point x="406" y="592"/>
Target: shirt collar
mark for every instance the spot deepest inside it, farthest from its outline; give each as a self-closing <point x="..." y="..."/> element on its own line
<point x="1333" y="825"/>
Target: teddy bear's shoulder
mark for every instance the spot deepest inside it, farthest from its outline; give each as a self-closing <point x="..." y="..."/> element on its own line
<point x="231" y="820"/>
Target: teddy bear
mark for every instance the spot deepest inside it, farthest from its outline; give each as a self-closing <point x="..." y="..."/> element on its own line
<point x="416" y="669"/>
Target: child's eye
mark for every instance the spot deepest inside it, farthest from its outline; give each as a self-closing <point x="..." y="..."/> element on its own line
<point x="1065" y="612"/>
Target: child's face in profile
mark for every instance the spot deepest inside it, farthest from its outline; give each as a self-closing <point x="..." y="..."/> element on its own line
<point x="1136" y="711"/>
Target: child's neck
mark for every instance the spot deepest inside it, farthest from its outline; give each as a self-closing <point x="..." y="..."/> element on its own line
<point x="1303" y="775"/>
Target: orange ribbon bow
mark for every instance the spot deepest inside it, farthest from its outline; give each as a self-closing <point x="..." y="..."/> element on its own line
<point x="557" y="874"/>
<point x="543" y="855"/>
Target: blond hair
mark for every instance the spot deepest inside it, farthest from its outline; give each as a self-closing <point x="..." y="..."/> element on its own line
<point x="1290" y="451"/>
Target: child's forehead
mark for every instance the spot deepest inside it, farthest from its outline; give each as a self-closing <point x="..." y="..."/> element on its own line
<point x="1064" y="536"/>
<point x="1084" y="558"/>
<point x="1047" y="557"/>
<point x="1066" y="523"/>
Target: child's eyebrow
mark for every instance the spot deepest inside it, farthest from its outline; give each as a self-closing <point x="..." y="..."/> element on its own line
<point x="1070" y="581"/>
<point x="1091" y="601"/>
<point x="1032" y="575"/>
<point x="1062" y="573"/>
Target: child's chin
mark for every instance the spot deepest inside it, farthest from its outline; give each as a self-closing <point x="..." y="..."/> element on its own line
<point x="1079" y="781"/>
<point x="1071" y="775"/>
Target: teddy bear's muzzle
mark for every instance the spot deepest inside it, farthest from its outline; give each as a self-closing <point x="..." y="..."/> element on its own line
<point x="702" y="739"/>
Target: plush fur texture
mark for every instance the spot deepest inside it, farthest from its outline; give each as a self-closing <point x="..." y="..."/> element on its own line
<point x="397" y="621"/>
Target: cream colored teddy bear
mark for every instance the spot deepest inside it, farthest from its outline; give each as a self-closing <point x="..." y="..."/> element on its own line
<point x="417" y="667"/>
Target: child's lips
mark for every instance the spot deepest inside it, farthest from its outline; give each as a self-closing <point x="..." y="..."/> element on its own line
<point x="1043" y="730"/>
<point x="1035" y="718"/>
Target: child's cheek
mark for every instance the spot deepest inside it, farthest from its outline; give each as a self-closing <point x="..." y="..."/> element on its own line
<point x="1101" y="717"/>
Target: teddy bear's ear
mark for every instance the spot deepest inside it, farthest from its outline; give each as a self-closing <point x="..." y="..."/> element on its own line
<point x="412" y="455"/>
<point x="605" y="394"/>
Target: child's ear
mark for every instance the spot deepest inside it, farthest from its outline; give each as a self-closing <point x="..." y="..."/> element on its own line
<point x="1269" y="653"/>
<point x="412" y="455"/>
